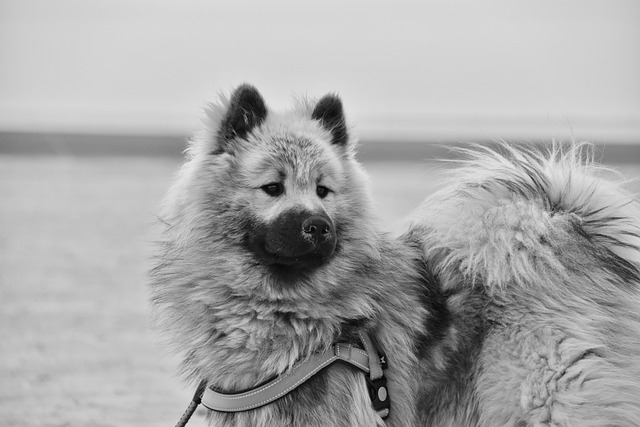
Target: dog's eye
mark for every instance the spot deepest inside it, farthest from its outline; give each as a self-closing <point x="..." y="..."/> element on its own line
<point x="322" y="191"/>
<point x="273" y="189"/>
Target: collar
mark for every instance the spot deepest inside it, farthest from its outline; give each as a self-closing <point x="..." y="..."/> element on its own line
<point x="367" y="360"/>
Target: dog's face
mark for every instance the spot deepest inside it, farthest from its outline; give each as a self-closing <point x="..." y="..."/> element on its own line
<point x="293" y="204"/>
<point x="285" y="183"/>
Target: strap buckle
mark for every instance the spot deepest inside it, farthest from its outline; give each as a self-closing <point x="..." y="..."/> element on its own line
<point x="379" y="395"/>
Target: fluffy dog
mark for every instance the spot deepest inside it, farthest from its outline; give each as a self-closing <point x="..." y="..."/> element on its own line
<point x="512" y="300"/>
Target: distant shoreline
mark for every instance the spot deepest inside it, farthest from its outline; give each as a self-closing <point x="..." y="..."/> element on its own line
<point x="62" y="144"/>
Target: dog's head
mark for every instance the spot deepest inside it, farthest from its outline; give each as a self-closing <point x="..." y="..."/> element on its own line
<point x="284" y="187"/>
<point x="287" y="179"/>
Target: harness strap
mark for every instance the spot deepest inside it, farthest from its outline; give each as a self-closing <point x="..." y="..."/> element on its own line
<point x="289" y="381"/>
<point x="367" y="360"/>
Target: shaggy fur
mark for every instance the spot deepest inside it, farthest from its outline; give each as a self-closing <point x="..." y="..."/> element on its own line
<point x="555" y="252"/>
<point x="512" y="300"/>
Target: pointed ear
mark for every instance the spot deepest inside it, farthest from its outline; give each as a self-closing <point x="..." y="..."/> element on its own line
<point x="246" y="111"/>
<point x="329" y="113"/>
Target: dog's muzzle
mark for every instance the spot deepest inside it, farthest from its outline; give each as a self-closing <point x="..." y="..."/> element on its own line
<point x="296" y="238"/>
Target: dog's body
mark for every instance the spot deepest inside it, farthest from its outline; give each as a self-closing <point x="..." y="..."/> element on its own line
<point x="513" y="298"/>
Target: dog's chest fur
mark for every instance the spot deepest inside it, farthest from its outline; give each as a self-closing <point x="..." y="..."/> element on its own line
<point x="260" y="341"/>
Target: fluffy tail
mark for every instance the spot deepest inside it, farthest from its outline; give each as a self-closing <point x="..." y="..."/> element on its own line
<point x="521" y="217"/>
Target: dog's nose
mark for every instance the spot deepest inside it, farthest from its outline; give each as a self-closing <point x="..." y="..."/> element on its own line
<point x="317" y="228"/>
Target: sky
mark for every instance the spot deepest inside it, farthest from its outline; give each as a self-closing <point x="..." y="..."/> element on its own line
<point x="434" y="70"/>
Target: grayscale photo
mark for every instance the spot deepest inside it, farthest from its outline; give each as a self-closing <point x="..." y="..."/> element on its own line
<point x="381" y="213"/>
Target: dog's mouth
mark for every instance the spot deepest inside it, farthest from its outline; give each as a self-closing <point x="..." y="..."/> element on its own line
<point x="283" y="258"/>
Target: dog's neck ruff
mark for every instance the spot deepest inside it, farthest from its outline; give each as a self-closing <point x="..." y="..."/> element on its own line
<point x="367" y="360"/>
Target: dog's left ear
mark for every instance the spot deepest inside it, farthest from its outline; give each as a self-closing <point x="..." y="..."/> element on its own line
<point x="329" y="113"/>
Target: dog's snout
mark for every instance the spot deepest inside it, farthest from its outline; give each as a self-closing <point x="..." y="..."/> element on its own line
<point x="316" y="227"/>
<point x="296" y="238"/>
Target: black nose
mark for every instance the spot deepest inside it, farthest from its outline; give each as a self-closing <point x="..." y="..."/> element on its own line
<point x="317" y="228"/>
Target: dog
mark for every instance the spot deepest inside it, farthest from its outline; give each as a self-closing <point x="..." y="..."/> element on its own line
<point x="512" y="299"/>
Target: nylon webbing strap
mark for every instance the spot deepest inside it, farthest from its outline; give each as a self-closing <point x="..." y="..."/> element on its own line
<point x="375" y="368"/>
<point x="289" y="381"/>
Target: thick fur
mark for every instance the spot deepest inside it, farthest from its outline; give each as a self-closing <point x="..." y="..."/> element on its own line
<point x="513" y="299"/>
<point x="234" y="320"/>
<point x="555" y="250"/>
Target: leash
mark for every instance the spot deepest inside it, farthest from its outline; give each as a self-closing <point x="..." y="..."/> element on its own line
<point x="195" y="401"/>
<point x="367" y="360"/>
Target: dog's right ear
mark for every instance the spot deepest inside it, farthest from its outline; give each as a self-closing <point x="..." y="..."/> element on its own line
<point x="246" y="111"/>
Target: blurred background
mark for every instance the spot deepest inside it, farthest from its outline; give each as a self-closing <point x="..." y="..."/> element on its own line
<point x="98" y="97"/>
